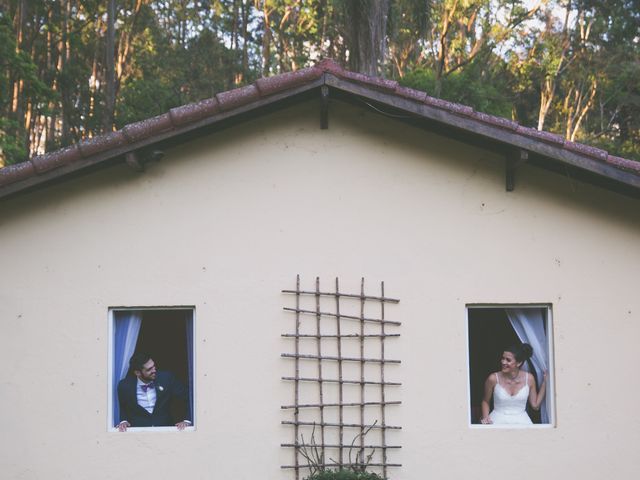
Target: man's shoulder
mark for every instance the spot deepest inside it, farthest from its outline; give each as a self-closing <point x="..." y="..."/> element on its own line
<point x="164" y="376"/>
<point x="168" y="380"/>
<point x="127" y="381"/>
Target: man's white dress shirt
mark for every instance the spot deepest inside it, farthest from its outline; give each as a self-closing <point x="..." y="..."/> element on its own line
<point x="146" y="400"/>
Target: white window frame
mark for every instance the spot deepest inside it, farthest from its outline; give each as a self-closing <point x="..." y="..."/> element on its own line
<point x="550" y="376"/>
<point x="111" y="329"/>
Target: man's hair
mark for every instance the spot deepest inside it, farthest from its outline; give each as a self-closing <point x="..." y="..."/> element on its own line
<point x="138" y="360"/>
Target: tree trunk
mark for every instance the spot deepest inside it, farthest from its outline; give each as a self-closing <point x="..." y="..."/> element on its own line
<point x="266" y="40"/>
<point x="124" y="47"/>
<point x="443" y="48"/>
<point x="93" y="84"/>
<point x="548" y="88"/>
<point x="367" y="26"/>
<point x="17" y="101"/>
<point x="65" y="53"/>
<point x="234" y="27"/>
<point x="51" y="120"/>
<point x="110" y="78"/>
<point x="547" y="93"/>
<point x="322" y="20"/>
<point x="245" y="39"/>
<point x="577" y="103"/>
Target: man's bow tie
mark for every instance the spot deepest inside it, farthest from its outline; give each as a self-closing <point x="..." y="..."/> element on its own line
<point x="147" y="386"/>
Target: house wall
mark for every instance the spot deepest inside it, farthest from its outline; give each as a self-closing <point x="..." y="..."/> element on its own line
<point x="226" y="222"/>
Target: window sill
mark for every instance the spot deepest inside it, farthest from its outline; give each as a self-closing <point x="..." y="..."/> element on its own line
<point x="537" y="426"/>
<point x="153" y="430"/>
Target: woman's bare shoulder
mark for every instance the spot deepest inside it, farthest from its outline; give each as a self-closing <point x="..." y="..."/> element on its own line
<point x="491" y="379"/>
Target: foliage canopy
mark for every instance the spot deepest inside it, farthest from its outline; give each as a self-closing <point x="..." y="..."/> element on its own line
<point x="571" y="67"/>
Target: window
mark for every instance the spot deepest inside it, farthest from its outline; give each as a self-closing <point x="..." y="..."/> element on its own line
<point x="166" y="334"/>
<point x="491" y="330"/>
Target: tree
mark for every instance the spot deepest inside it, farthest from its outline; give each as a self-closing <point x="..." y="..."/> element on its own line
<point x="463" y="30"/>
<point x="72" y="69"/>
<point x="409" y="21"/>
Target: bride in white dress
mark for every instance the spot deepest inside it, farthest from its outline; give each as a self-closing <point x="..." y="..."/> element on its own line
<point x="511" y="388"/>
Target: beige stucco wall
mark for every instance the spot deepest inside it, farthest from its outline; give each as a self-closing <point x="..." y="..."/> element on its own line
<point x="228" y="221"/>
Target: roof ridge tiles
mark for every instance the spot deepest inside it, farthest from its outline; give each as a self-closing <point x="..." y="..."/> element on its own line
<point x="542" y="135"/>
<point x="192" y="112"/>
<point x="587" y="150"/>
<point x="411" y="94"/>
<point x="145" y="128"/>
<point x="376" y="82"/>
<point x="238" y="97"/>
<point x="228" y="100"/>
<point x="330" y="65"/>
<point x="57" y="158"/>
<point x="277" y="83"/>
<point x="449" y="106"/>
<point x="624" y="163"/>
<point x="101" y="143"/>
<point x="500" y="122"/>
<point x="16" y="172"/>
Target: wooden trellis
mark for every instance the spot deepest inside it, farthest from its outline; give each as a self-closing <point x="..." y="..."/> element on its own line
<point x="329" y="330"/>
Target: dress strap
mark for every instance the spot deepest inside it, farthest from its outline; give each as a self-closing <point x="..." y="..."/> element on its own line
<point x="497" y="378"/>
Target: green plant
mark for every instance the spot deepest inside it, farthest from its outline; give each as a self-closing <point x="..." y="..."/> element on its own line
<point x="344" y="475"/>
<point x="355" y="468"/>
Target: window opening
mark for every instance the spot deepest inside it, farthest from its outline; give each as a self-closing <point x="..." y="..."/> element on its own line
<point x="491" y="329"/>
<point x="166" y="334"/>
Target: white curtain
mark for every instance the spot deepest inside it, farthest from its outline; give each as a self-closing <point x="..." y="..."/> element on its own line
<point x="127" y="325"/>
<point x="189" y="326"/>
<point x="529" y="325"/>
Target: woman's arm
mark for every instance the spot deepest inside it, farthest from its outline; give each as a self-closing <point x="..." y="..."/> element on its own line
<point x="536" y="397"/>
<point x="489" y="385"/>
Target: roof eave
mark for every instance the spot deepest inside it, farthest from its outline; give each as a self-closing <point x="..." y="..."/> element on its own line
<point x="117" y="154"/>
<point x="460" y="122"/>
<point x="549" y="146"/>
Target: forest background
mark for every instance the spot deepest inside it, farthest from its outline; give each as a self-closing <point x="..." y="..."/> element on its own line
<point x="72" y="69"/>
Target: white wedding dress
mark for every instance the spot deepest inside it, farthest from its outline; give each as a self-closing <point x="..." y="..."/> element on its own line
<point x="510" y="409"/>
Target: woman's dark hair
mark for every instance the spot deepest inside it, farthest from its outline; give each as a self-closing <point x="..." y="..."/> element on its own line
<point x="522" y="351"/>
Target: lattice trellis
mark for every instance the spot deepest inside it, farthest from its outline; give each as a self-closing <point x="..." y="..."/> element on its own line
<point x="340" y="362"/>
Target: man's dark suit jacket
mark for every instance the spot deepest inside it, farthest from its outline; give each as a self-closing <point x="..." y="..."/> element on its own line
<point x="168" y="390"/>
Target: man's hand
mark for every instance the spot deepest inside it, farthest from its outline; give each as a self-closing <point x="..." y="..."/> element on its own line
<point x="122" y="426"/>
<point x="182" y="425"/>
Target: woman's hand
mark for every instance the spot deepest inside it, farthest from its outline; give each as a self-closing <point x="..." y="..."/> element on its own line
<point x="536" y="397"/>
<point x="486" y="421"/>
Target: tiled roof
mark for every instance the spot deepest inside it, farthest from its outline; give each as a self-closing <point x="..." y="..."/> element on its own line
<point x="179" y="120"/>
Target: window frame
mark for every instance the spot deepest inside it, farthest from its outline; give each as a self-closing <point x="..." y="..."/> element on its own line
<point x="110" y="364"/>
<point x="550" y="394"/>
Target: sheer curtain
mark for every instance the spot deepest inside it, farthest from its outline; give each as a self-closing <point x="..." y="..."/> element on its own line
<point x="529" y="325"/>
<point x="126" y="329"/>
<point x="189" y="327"/>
